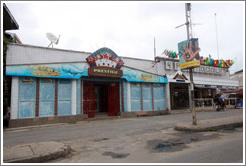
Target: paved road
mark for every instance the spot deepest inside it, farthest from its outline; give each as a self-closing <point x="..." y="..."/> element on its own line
<point x="136" y="139"/>
<point x="106" y="128"/>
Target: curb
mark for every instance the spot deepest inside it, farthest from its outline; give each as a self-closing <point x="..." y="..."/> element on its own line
<point x="210" y="125"/>
<point x="213" y="128"/>
<point x="38" y="157"/>
<point x="32" y="127"/>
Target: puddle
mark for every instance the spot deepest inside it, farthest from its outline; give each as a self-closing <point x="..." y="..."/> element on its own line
<point x="100" y="139"/>
<point x="179" y="143"/>
<point x="116" y="155"/>
<point x="239" y="129"/>
<point x="231" y="130"/>
<point x="166" y="146"/>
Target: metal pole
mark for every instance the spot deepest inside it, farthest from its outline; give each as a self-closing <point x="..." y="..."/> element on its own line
<point x="154" y="48"/>
<point x="216" y="36"/>
<point x="194" y="121"/>
<point x="187" y="21"/>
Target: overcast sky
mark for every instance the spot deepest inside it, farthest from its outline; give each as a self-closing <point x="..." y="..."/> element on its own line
<point x="129" y="28"/>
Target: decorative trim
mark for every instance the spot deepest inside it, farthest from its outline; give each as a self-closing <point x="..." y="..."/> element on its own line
<point x="181" y="76"/>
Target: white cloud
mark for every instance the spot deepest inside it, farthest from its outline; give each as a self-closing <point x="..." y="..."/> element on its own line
<point x="129" y="28"/>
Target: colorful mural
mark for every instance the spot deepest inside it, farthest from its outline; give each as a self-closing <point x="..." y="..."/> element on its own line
<point x="45" y="71"/>
<point x="70" y="71"/>
<point x="78" y="70"/>
<point x="132" y="75"/>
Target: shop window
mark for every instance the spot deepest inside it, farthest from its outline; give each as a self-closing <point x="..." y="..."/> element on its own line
<point x="147" y="97"/>
<point x="135" y="97"/>
<point x="46" y="97"/>
<point x="27" y="97"/>
<point x="64" y="97"/>
<point x="159" y="97"/>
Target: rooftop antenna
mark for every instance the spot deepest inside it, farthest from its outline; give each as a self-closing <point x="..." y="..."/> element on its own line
<point x="154" y="49"/>
<point x="52" y="38"/>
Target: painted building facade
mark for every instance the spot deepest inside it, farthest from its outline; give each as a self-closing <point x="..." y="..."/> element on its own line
<point x="52" y="84"/>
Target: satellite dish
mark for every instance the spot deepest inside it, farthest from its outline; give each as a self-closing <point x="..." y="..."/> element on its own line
<point x="52" y="38"/>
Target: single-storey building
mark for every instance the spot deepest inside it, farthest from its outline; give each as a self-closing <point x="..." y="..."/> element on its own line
<point x="54" y="85"/>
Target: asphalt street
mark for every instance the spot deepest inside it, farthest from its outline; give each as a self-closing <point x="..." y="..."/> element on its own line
<point x="138" y="140"/>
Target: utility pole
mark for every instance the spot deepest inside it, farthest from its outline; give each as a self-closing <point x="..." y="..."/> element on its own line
<point x="187" y="13"/>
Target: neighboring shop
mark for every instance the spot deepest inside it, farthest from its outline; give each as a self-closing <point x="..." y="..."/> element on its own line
<point x="208" y="81"/>
<point x="53" y="85"/>
<point x="179" y="96"/>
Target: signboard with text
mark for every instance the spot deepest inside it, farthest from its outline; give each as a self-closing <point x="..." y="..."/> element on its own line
<point x="189" y="54"/>
<point x="100" y="71"/>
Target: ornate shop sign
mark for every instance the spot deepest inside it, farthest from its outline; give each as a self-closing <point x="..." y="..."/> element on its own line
<point x="105" y="63"/>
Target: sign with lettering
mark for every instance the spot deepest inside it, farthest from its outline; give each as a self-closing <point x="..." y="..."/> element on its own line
<point x="105" y="63"/>
<point x="27" y="80"/>
<point x="100" y="71"/>
<point x="201" y="69"/>
<point x="169" y="65"/>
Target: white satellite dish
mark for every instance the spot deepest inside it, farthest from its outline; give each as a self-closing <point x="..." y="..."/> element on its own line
<point x="52" y="38"/>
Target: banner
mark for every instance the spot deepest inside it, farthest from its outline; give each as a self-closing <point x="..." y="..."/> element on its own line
<point x="189" y="54"/>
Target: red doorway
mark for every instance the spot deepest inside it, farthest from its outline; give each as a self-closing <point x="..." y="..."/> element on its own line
<point x="101" y="97"/>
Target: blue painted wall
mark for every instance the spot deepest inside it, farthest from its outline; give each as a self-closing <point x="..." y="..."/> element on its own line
<point x="135" y="97"/>
<point x="46" y="97"/>
<point x="64" y="97"/>
<point x="27" y="97"/>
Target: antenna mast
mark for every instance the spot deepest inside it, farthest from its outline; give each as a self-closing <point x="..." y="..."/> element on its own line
<point x="216" y="36"/>
<point x="154" y="49"/>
